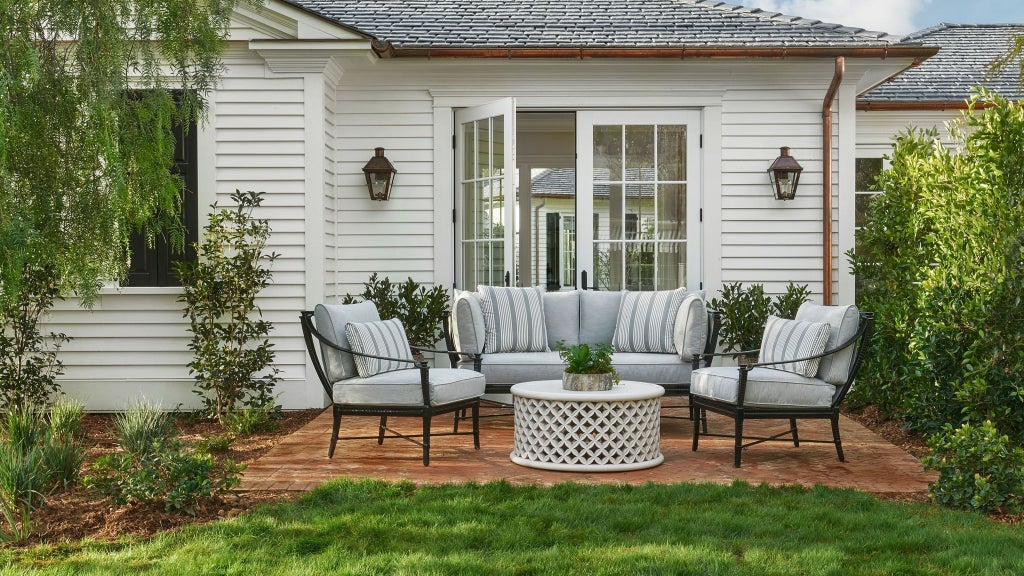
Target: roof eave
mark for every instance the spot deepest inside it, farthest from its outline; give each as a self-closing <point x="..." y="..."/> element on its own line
<point x="918" y="53"/>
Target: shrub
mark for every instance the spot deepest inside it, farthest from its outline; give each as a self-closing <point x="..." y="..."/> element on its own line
<point x="28" y="359"/>
<point x="233" y="360"/>
<point x="942" y="268"/>
<point x="251" y="421"/>
<point x="978" y="468"/>
<point x="154" y="466"/>
<point x="66" y="419"/>
<point x="419" y="309"/>
<point x="215" y="444"/>
<point x="745" y="311"/>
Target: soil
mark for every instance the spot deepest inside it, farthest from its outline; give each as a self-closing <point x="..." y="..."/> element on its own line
<point x="77" y="513"/>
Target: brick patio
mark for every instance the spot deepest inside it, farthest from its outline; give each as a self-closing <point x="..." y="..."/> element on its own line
<point x="872" y="464"/>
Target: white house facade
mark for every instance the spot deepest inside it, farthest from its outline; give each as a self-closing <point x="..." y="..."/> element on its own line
<point x="666" y="115"/>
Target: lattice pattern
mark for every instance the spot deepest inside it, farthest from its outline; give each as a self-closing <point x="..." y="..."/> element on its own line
<point x="587" y="433"/>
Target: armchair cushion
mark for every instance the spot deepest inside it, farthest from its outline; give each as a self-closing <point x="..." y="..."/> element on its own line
<point x="646" y="320"/>
<point x="843" y="321"/>
<point x="330" y="321"/>
<point x="766" y="387"/>
<point x="381" y="338"/>
<point x="786" y="340"/>
<point x="513" y="319"/>
<point x="403" y="387"/>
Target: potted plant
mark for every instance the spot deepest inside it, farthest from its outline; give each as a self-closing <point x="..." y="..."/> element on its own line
<point x="587" y="367"/>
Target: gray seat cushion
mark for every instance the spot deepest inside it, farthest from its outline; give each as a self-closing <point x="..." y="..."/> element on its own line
<point x="402" y="387"/>
<point x="650" y="367"/>
<point x="516" y="367"/>
<point x="765" y="387"/>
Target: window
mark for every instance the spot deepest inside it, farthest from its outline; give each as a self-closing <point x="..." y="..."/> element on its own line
<point x="155" y="266"/>
<point x="866" y="189"/>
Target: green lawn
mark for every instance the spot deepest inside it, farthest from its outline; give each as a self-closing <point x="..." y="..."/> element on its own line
<point x="372" y="527"/>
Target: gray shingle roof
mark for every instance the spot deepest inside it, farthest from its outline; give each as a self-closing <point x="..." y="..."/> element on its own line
<point x="584" y="24"/>
<point x="962" y="62"/>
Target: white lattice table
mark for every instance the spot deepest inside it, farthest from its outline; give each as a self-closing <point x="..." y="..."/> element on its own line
<point x="614" y="430"/>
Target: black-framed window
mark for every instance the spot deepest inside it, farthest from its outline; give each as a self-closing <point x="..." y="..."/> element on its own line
<point x="155" y="266"/>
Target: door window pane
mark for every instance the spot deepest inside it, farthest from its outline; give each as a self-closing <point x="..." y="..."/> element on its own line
<point x="608" y="211"/>
<point x="671" y="265"/>
<point x="640" y="207"/>
<point x="672" y="153"/>
<point x="640" y="153"/>
<point x="640" y="266"/>
<point x="482" y="147"/>
<point x="607" y="153"/>
<point x="497" y="167"/>
<point x="607" y="266"/>
<point x="671" y="211"/>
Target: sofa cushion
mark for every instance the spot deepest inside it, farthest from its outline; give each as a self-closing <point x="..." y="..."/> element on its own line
<point x="513" y="319"/>
<point x="843" y="323"/>
<point x="330" y="321"/>
<point x="403" y="387"/>
<point x="516" y="367"/>
<point x="765" y="387"/>
<point x="690" y="331"/>
<point x="662" y="369"/>
<point x="598" y="313"/>
<point x="562" y="317"/>
<point x="645" y="321"/>
<point x="380" y="338"/>
<point x="468" y="322"/>
<point x="786" y="340"/>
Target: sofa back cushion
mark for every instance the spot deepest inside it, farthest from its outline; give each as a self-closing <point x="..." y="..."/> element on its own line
<point x="690" y="332"/>
<point x="562" y="316"/>
<point x="646" y="320"/>
<point x="330" y="321"/>
<point x="468" y="322"/>
<point x="843" y="323"/>
<point x="598" y="313"/>
<point x="513" y="319"/>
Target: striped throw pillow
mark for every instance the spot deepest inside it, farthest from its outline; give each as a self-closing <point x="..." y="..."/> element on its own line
<point x="786" y="340"/>
<point x="513" y="319"/>
<point x="646" y="321"/>
<point x="381" y="338"/>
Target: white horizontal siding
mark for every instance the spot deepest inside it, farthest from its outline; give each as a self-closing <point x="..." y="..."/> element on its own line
<point x="876" y="128"/>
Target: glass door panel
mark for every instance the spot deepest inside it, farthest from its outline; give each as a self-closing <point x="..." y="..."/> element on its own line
<point x="638" y="188"/>
<point x="486" y="159"/>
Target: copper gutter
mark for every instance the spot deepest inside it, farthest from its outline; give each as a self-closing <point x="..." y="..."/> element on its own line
<point x="826" y="181"/>
<point x="905" y="105"/>
<point x="919" y="53"/>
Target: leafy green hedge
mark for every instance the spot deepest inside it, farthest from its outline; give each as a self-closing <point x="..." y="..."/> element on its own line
<point x="942" y="264"/>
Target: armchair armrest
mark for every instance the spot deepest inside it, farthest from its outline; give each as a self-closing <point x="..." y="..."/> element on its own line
<point x="708" y="357"/>
<point x="853" y="340"/>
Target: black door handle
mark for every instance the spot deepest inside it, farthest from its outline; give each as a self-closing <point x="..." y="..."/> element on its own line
<point x="508" y="278"/>
<point x="583" y="279"/>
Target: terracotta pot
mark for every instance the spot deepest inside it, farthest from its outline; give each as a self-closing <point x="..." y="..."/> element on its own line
<point x="587" y="382"/>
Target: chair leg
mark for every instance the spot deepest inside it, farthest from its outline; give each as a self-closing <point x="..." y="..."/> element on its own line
<point x="381" y="428"/>
<point x="835" y="436"/>
<point x="704" y="420"/>
<point x="696" y="429"/>
<point x="796" y="438"/>
<point x="476" y="425"/>
<point x="739" y="440"/>
<point x="459" y="415"/>
<point x="426" y="439"/>
<point x="334" y="433"/>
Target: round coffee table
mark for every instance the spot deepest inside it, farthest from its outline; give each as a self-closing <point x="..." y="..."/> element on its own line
<point x="608" y="431"/>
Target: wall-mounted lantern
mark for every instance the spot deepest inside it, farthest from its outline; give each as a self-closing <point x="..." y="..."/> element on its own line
<point x="785" y="174"/>
<point x="380" y="175"/>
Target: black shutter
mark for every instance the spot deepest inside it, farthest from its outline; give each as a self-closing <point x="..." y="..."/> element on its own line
<point x="554" y="282"/>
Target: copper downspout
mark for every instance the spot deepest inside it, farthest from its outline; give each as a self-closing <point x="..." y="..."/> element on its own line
<point x="826" y="181"/>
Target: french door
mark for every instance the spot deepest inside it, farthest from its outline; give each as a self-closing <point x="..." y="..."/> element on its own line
<point x="485" y="166"/>
<point x="638" y="199"/>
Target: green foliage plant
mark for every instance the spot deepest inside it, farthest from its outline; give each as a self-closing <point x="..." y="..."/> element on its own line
<point x="942" y="264"/>
<point x="418" y="308"/>
<point x="250" y="421"/>
<point x="587" y="359"/>
<point x="745" y="311"/>
<point x="978" y="467"/>
<point x="155" y="466"/>
<point x="233" y="357"/>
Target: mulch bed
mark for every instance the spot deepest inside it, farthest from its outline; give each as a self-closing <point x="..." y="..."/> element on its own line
<point x="77" y="513"/>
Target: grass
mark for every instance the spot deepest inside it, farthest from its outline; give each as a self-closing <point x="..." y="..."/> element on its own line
<point x="374" y="527"/>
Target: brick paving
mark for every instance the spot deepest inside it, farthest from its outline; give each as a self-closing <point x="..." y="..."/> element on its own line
<point x="872" y="464"/>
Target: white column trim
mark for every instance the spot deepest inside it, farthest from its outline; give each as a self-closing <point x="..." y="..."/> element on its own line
<point x="444" y="197"/>
<point x="847" y="105"/>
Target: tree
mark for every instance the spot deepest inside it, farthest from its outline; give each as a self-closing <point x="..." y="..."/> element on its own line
<point x="86" y="144"/>
<point x="1014" y="55"/>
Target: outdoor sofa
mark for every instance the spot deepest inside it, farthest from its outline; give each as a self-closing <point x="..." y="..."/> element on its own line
<point x="659" y="337"/>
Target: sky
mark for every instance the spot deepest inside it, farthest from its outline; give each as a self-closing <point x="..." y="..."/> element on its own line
<point x="897" y="16"/>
